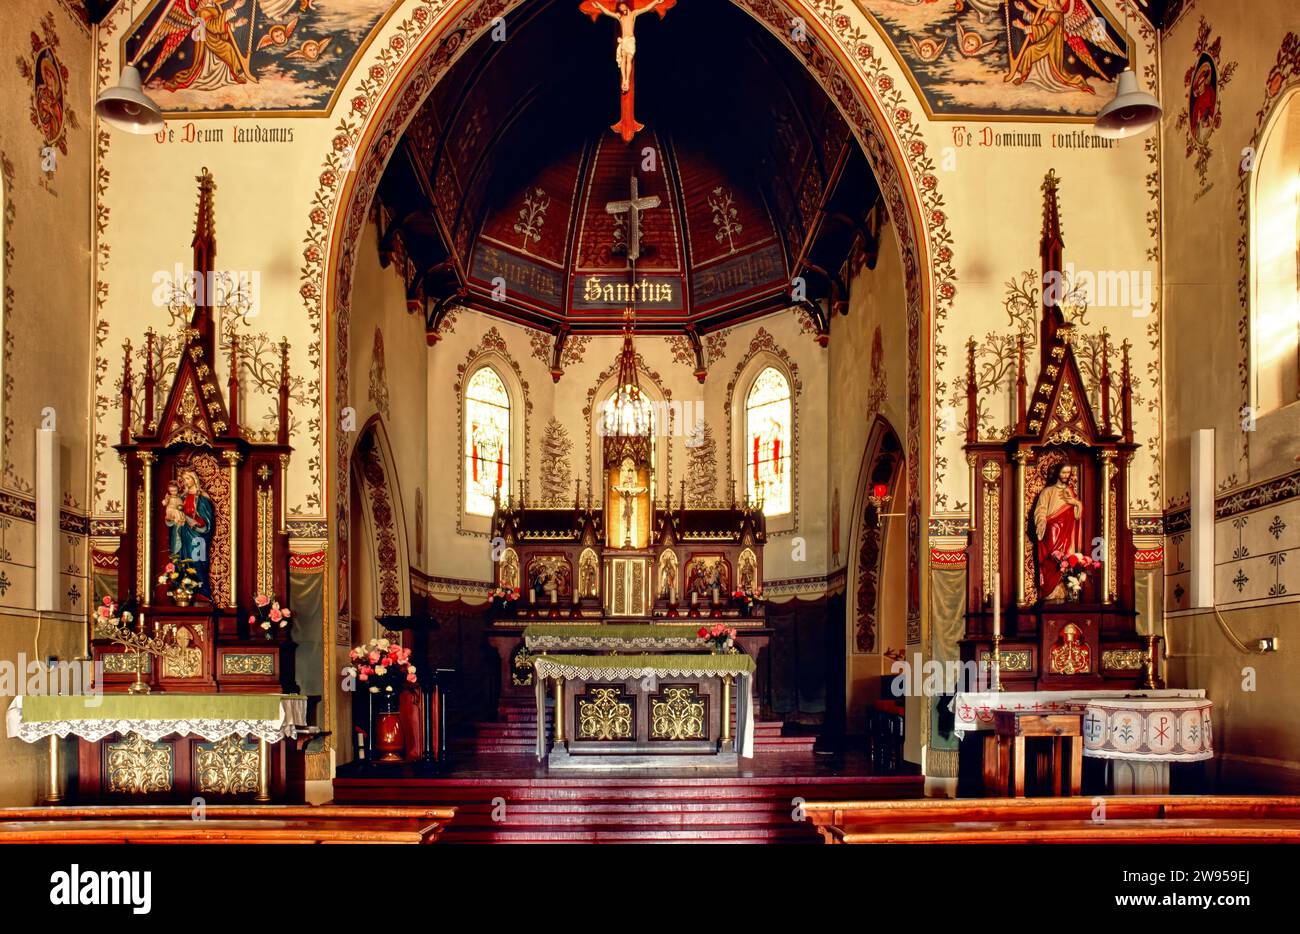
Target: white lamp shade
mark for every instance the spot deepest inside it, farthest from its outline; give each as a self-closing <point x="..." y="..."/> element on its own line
<point x="127" y="107"/>
<point x="1132" y="111"/>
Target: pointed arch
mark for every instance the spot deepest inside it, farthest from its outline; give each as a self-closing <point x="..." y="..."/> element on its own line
<point x="764" y="355"/>
<point x="1275" y="259"/>
<point x="383" y="519"/>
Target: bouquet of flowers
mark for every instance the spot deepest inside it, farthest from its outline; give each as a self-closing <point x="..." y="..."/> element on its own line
<point x="721" y="639"/>
<point x="503" y="599"/>
<point x="383" y="666"/>
<point x="268" y="615"/>
<point x="107" y="617"/>
<point x="746" y="599"/>
<point x="1074" y="571"/>
<point x="182" y="581"/>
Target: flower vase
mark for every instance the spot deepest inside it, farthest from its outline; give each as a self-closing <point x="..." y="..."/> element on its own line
<point x="390" y="735"/>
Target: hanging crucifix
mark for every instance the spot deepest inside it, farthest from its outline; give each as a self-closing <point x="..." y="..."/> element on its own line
<point x="626" y="12"/>
<point x="633" y="207"/>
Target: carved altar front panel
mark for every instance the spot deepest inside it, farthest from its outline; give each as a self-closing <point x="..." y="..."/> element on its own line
<point x="679" y="711"/>
<point x="605" y="713"/>
<point x="135" y="766"/>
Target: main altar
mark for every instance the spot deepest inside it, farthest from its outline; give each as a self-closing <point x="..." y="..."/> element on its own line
<point x="606" y="602"/>
<point x="194" y="691"/>
<point x="1051" y="623"/>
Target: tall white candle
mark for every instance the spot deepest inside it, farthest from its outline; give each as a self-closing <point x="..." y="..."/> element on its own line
<point x="1151" y="606"/>
<point x="555" y="595"/>
<point x="532" y="595"/>
<point x="997" y="603"/>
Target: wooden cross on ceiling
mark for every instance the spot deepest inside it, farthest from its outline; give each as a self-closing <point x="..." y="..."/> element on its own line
<point x="626" y="12"/>
<point x="633" y="207"/>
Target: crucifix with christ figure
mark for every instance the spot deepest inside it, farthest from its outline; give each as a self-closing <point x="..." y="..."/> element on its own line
<point x="626" y="12"/>
<point x="633" y="207"/>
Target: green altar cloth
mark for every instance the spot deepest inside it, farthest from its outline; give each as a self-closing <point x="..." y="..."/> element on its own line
<point x="212" y="717"/>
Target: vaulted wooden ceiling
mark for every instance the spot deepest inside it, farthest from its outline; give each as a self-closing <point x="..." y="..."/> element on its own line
<point x="504" y="176"/>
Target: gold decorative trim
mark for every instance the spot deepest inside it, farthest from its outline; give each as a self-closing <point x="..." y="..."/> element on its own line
<point x="679" y="715"/>
<point x="256" y="663"/>
<point x="265" y="540"/>
<point x="123" y="663"/>
<point x="992" y="547"/>
<point x="606" y="717"/>
<point x="228" y="767"/>
<point x="1012" y="660"/>
<point x="137" y="766"/>
<point x="1123" y="659"/>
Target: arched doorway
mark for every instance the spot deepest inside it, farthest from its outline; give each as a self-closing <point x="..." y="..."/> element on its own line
<point x="858" y="84"/>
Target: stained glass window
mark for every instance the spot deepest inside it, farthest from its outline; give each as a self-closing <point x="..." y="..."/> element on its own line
<point x="767" y="426"/>
<point x="487" y="441"/>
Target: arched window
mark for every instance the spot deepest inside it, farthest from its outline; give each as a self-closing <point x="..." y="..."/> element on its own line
<point x="767" y="452"/>
<point x="487" y="441"/>
<point x="1275" y="260"/>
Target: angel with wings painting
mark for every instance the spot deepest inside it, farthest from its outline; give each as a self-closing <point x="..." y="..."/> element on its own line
<point x="1057" y="33"/>
<point x="217" y="59"/>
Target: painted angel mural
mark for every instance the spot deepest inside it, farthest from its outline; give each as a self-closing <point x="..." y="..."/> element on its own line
<point x="207" y="55"/>
<point x="1057" y="32"/>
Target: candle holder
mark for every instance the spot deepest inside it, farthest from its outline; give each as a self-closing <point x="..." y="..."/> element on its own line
<point x="1151" y="679"/>
<point x="156" y="645"/>
<point x="995" y="663"/>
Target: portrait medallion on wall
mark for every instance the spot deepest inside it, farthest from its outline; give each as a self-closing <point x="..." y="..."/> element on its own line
<point x="50" y="114"/>
<point x="1204" y="81"/>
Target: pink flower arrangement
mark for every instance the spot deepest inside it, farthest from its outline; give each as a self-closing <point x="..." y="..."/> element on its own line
<point x="718" y="637"/>
<point x="1074" y="571"/>
<point x="383" y="665"/>
<point x="269" y="615"/>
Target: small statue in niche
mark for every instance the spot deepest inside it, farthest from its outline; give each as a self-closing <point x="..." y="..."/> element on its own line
<point x="190" y="523"/>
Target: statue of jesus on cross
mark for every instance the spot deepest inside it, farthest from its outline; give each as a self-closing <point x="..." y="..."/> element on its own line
<point x="626" y="12"/>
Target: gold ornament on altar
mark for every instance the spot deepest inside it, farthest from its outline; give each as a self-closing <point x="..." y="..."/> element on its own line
<point x="162" y="644"/>
<point x="1069" y="655"/>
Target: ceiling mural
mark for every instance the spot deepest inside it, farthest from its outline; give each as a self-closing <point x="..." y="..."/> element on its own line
<point x="225" y="56"/>
<point x="1006" y="58"/>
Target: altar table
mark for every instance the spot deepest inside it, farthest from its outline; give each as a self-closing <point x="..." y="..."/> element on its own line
<point x="639" y="676"/>
<point x="1139" y="732"/>
<point x="168" y="744"/>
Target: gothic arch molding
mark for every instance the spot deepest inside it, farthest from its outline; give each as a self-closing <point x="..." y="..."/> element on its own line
<point x="374" y="468"/>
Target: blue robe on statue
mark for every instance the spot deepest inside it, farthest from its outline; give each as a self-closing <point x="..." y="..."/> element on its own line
<point x="191" y="543"/>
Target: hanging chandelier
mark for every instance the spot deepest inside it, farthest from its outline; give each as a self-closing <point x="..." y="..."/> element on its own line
<point x="629" y="413"/>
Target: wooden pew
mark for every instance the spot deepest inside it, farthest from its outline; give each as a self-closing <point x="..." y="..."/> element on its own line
<point x="228" y="830"/>
<point x="833" y="819"/>
<point x="223" y="824"/>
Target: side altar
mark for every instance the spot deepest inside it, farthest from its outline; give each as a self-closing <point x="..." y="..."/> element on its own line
<point x="203" y="559"/>
<point x="1051" y="618"/>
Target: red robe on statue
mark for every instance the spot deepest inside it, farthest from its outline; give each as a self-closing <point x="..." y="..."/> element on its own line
<point x="1057" y="527"/>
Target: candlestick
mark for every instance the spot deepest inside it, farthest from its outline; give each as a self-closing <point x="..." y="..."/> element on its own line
<point x="997" y="605"/>
<point x="997" y="662"/>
